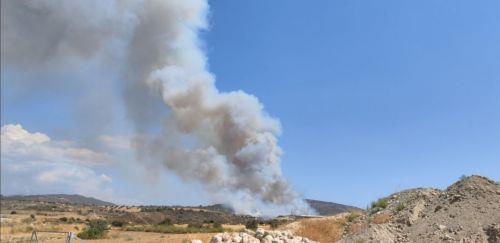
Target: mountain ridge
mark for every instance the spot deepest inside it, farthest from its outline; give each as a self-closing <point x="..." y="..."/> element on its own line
<point x="74" y="199"/>
<point x="323" y="208"/>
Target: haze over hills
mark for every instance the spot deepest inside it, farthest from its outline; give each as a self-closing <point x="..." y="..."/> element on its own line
<point x="330" y="208"/>
<point x="321" y="207"/>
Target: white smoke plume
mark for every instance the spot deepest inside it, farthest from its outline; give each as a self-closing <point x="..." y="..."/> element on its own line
<point x="225" y="141"/>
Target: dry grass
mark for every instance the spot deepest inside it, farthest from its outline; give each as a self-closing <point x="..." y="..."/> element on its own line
<point x="235" y="227"/>
<point x="353" y="216"/>
<point x="18" y="228"/>
<point x="356" y="227"/>
<point x="323" y="230"/>
<point x="381" y="218"/>
<point x="116" y="236"/>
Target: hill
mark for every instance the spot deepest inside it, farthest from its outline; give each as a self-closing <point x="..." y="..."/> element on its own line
<point x="59" y="198"/>
<point x="466" y="211"/>
<point x="330" y="208"/>
<point x="322" y="208"/>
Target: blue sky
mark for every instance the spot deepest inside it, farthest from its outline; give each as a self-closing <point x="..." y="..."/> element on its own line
<point x="373" y="96"/>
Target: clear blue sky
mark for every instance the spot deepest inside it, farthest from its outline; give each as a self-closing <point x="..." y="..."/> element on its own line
<point x="373" y="96"/>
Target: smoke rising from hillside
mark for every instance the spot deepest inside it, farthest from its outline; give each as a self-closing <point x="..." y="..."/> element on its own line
<point x="225" y="141"/>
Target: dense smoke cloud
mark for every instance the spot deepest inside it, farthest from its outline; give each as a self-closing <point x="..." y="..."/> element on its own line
<point x="223" y="140"/>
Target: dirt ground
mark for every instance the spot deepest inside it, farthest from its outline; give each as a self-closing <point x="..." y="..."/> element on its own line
<point x="114" y="236"/>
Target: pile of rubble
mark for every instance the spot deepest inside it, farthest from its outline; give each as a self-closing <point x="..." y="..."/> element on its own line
<point x="259" y="236"/>
<point x="467" y="211"/>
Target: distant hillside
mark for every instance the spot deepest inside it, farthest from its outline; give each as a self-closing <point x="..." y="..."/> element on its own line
<point x="219" y="207"/>
<point x="60" y="198"/>
<point x="321" y="207"/>
<point x="329" y="208"/>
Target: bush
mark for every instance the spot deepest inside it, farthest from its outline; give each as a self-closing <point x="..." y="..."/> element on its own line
<point x="13" y="212"/>
<point x="217" y="225"/>
<point x="378" y="205"/>
<point x="63" y="219"/>
<point x="96" y="229"/>
<point x="252" y="224"/>
<point x="195" y="225"/>
<point x="352" y="216"/>
<point x="400" y="207"/>
<point x="32" y="216"/>
<point x="171" y="229"/>
<point x="274" y="224"/>
<point x="166" y="221"/>
<point x="117" y="223"/>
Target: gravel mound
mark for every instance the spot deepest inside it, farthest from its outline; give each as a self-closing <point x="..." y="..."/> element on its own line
<point x="467" y="211"/>
<point x="259" y="236"/>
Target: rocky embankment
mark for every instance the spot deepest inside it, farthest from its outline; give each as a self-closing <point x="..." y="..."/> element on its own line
<point x="467" y="211"/>
<point x="259" y="236"/>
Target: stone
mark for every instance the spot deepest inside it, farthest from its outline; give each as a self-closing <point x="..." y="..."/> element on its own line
<point x="259" y="236"/>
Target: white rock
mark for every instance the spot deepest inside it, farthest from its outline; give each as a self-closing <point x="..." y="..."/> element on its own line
<point x="259" y="236"/>
<point x="216" y="239"/>
<point x="237" y="239"/>
<point x="267" y="239"/>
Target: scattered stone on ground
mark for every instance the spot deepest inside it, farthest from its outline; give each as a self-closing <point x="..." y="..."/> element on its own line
<point x="259" y="236"/>
<point x="467" y="211"/>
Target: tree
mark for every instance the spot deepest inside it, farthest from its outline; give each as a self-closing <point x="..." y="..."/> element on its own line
<point x="252" y="224"/>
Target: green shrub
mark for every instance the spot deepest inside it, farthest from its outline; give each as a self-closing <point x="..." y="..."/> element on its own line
<point x="352" y="216"/>
<point x="195" y="225"/>
<point x="172" y="229"/>
<point x="252" y="224"/>
<point x="274" y="224"/>
<point x="117" y="223"/>
<point x="379" y="205"/>
<point x="96" y="229"/>
<point x="400" y="206"/>
<point x="166" y="221"/>
<point x="217" y="225"/>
